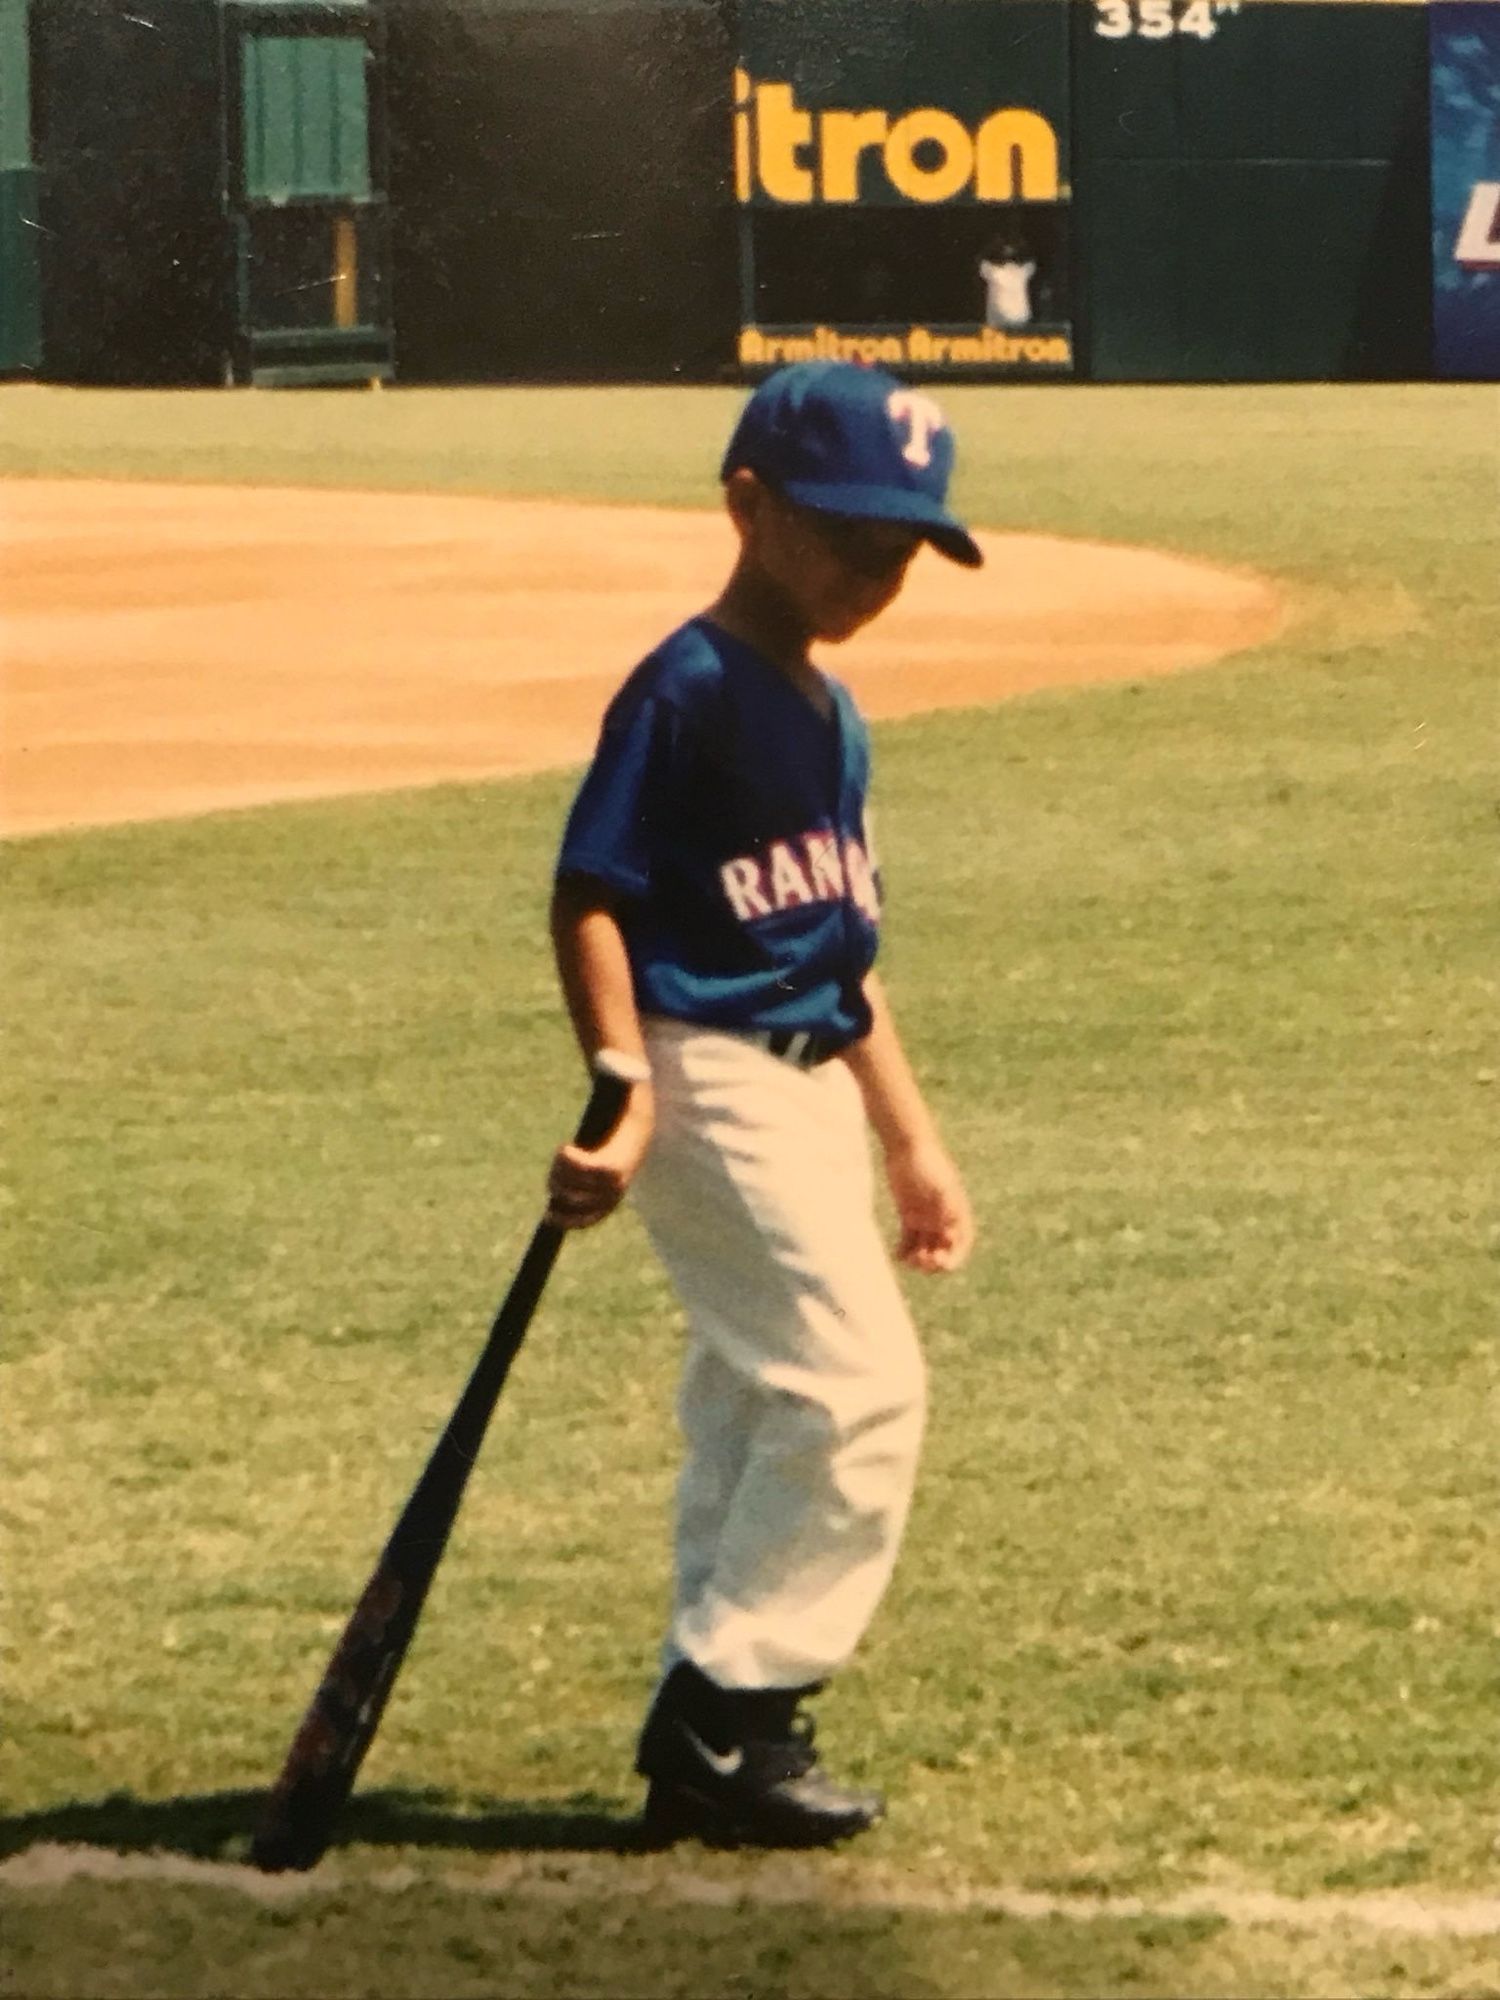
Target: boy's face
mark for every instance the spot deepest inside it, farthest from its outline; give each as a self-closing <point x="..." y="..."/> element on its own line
<point x="833" y="574"/>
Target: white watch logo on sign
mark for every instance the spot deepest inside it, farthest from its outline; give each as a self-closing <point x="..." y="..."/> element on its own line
<point x="919" y="416"/>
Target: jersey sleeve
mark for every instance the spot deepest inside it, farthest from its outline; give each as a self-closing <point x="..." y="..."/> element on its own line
<point x="612" y="829"/>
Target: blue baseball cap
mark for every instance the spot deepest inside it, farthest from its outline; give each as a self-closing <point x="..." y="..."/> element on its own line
<point x="850" y="440"/>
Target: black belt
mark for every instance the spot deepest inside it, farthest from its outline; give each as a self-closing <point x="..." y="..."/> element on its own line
<point x="799" y="1047"/>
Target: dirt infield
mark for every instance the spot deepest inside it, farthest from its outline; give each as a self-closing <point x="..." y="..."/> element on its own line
<point x="172" y="650"/>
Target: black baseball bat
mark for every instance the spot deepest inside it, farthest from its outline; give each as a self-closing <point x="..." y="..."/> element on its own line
<point x="343" y="1715"/>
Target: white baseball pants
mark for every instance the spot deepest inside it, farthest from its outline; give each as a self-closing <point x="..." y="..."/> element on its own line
<point x="802" y="1394"/>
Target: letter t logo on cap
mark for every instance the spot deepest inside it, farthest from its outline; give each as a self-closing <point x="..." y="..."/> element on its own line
<point x="919" y="416"/>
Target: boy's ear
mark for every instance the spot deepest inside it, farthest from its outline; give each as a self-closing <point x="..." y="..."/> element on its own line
<point x="744" y="496"/>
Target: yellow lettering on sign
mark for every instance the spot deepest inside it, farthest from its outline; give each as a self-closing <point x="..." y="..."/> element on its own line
<point x="781" y="130"/>
<point x="929" y="183"/>
<point x="928" y="155"/>
<point x="845" y="136"/>
<point x="1015" y="155"/>
<point x="918" y="346"/>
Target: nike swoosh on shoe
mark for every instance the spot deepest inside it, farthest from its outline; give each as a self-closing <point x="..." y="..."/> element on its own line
<point x="726" y="1763"/>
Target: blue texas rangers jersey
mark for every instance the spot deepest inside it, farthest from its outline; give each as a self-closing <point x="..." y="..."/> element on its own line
<point x="729" y="817"/>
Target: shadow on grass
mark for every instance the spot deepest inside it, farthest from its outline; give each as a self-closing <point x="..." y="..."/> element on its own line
<point x="217" y="1826"/>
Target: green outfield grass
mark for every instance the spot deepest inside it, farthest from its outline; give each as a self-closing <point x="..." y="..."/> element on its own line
<point x="1199" y="1590"/>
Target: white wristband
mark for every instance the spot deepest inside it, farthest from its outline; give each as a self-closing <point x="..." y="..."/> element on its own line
<point x="624" y="1068"/>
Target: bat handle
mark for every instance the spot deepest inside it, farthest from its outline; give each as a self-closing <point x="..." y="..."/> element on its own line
<point x="614" y="1074"/>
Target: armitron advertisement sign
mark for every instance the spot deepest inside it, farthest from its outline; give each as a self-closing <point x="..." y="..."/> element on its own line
<point x="1466" y="188"/>
<point x="786" y="154"/>
<point x="901" y="170"/>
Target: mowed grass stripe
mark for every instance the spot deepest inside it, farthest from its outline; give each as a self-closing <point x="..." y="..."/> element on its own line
<point x="1263" y="474"/>
<point x="1199" y="1585"/>
<point x="421" y="1938"/>
<point x="774" y="1884"/>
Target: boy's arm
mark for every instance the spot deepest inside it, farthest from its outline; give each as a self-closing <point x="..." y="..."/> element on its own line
<point x="937" y="1226"/>
<point x="594" y="968"/>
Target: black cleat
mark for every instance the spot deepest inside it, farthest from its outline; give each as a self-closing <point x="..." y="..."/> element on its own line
<point x="737" y="1768"/>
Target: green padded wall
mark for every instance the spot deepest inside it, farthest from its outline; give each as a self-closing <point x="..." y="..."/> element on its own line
<point x="20" y="291"/>
<point x="306" y="116"/>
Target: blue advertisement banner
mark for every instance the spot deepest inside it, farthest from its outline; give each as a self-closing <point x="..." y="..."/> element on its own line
<point x="1466" y="188"/>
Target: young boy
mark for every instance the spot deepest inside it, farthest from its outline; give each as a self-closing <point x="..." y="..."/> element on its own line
<point x="715" y="920"/>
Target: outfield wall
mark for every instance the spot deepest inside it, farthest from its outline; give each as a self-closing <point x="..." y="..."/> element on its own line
<point x="20" y="282"/>
<point x="134" y="251"/>
<point x="560" y="175"/>
<point x="695" y="189"/>
<point x="1255" y="200"/>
